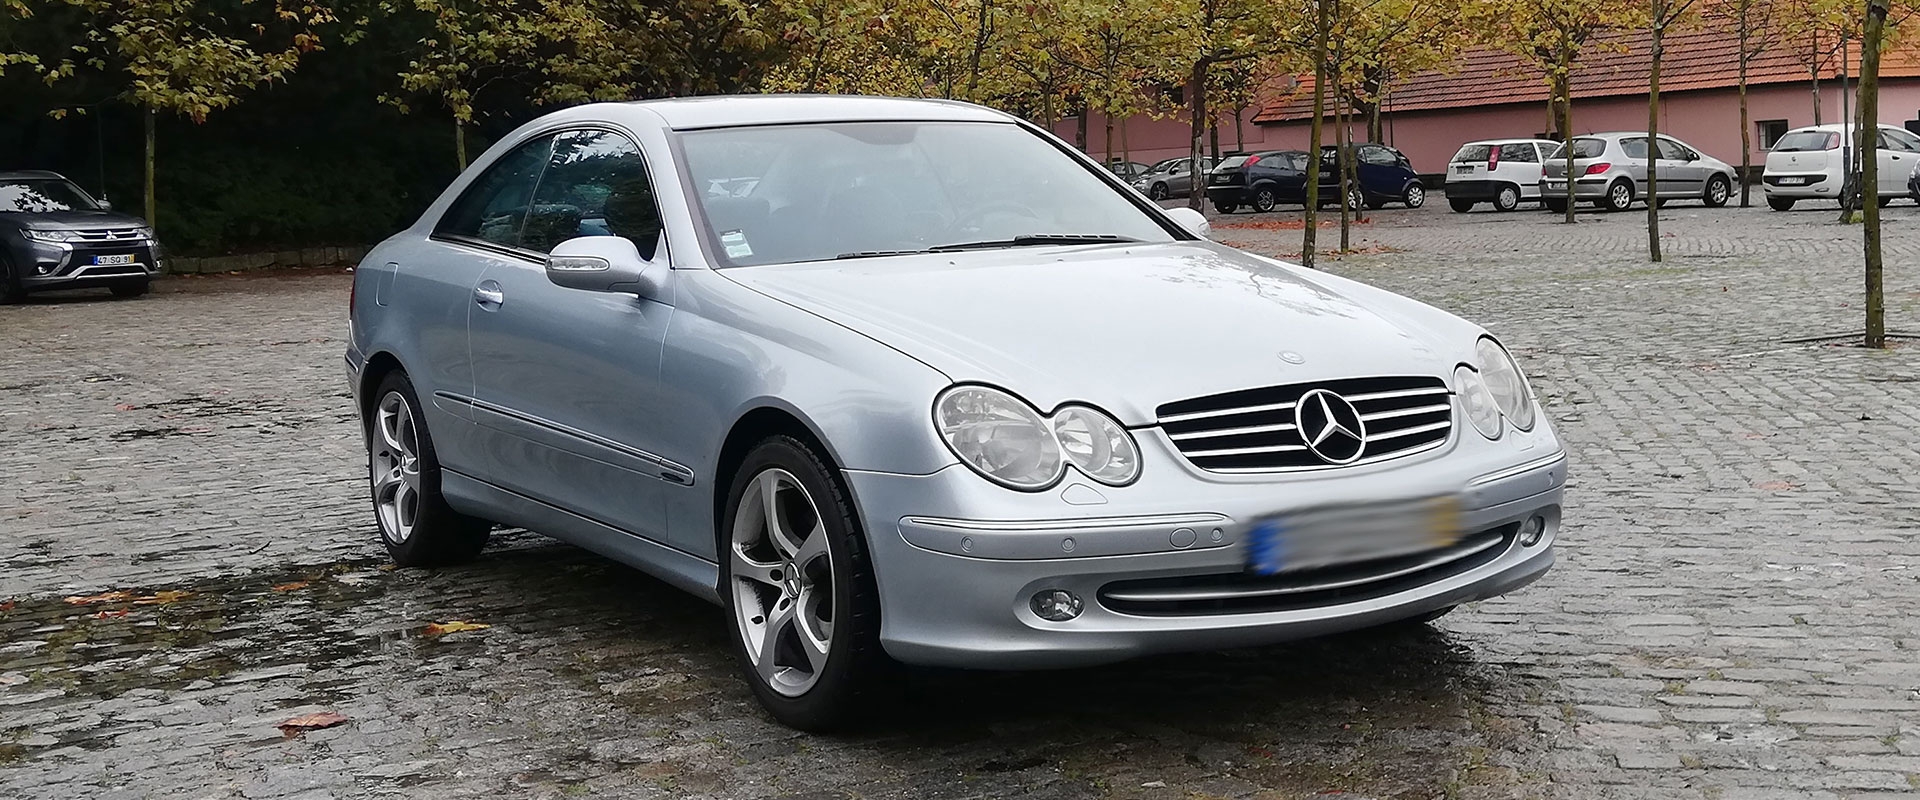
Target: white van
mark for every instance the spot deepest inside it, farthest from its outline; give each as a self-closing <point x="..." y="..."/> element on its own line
<point x="1503" y="172"/>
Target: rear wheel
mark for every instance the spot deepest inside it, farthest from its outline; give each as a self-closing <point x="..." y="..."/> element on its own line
<point x="796" y="580"/>
<point x="1886" y="200"/>
<point x="1619" y="196"/>
<point x="1224" y="208"/>
<point x="1780" y="203"/>
<point x="1507" y="199"/>
<point x="1557" y="205"/>
<point x="10" y="289"/>
<point x="133" y="288"/>
<point x="1457" y="204"/>
<point x="416" y="524"/>
<point x="1265" y="199"/>
<point x="1718" y="190"/>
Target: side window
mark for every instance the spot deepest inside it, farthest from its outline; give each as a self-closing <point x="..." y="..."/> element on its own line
<point x="1674" y="151"/>
<point x="1521" y="153"/>
<point x="1378" y="155"/>
<point x="595" y="185"/>
<point x="494" y="208"/>
<point x="1635" y="147"/>
<point x="1899" y="140"/>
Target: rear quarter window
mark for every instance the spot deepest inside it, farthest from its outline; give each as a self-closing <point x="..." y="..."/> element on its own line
<point x="1472" y="152"/>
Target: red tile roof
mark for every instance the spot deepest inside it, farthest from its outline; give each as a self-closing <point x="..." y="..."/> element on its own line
<point x="1616" y="64"/>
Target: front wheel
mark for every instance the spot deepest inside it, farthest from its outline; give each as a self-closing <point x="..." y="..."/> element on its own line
<point x="1718" y="190"/>
<point x="1158" y="191"/>
<point x="1415" y="196"/>
<point x="796" y="580"/>
<point x="1780" y="203"/>
<point x="416" y="524"/>
<point x="1225" y="208"/>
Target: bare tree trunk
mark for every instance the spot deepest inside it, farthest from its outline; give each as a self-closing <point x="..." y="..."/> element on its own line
<point x="983" y="33"/>
<point x="1080" y="126"/>
<point x="1341" y="142"/>
<point x="1126" y="150"/>
<point x="460" y="143"/>
<point x="1813" y="73"/>
<point x="1876" y="26"/>
<point x="1196" y="127"/>
<point x="1312" y="217"/>
<point x="151" y="206"/>
<point x="1563" y="87"/>
<point x="1213" y="138"/>
<point x="1239" y="131"/>
<point x="1746" y="126"/>
<point x="1106" y="154"/>
<point x="1653" y="133"/>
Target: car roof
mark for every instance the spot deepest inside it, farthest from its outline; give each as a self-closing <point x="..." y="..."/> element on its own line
<point x="1835" y="127"/>
<point x="1510" y="141"/>
<point x="25" y="174"/>
<point x="693" y="113"/>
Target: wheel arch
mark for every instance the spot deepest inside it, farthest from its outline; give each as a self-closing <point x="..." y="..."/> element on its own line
<point x="762" y="421"/>
<point x="379" y="365"/>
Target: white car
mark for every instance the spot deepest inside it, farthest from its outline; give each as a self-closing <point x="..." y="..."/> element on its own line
<point x="1807" y="164"/>
<point x="1503" y="172"/>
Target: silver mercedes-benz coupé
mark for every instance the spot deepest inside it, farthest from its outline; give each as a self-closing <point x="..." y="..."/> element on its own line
<point x="914" y="381"/>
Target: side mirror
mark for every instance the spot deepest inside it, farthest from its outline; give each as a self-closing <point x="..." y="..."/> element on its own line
<point x="1194" y="221"/>
<point x="104" y="205"/>
<point x="602" y="264"/>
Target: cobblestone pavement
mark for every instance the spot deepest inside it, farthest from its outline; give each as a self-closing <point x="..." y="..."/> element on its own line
<point x="1731" y="617"/>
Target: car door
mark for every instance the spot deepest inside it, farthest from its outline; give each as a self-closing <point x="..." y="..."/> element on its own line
<point x="1520" y="166"/>
<point x="1899" y="151"/>
<point x="1682" y="173"/>
<point x="1179" y="179"/>
<point x="566" y="382"/>
<point x="1634" y="148"/>
<point x="434" y="287"/>
<point x="1289" y="174"/>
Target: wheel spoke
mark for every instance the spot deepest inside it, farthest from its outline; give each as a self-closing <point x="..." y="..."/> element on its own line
<point x="782" y="617"/>
<point x="816" y="634"/>
<point x="405" y="504"/>
<point x="758" y="572"/>
<point x="777" y="533"/>
<point x="813" y="547"/>
<point x="389" y="432"/>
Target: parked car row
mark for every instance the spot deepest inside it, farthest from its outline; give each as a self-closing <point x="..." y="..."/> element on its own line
<point x="1263" y="181"/>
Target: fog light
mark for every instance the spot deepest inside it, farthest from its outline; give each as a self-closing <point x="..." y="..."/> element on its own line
<point x="1531" y="531"/>
<point x="44" y="268"/>
<point x="1056" y="605"/>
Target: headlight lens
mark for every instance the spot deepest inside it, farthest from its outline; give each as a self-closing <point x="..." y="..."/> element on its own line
<point x="1503" y="378"/>
<point x="999" y="436"/>
<point x="1096" y="444"/>
<point x="1477" y="401"/>
<point x="48" y="236"/>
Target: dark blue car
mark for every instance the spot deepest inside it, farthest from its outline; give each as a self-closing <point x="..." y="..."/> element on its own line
<point x="1263" y="181"/>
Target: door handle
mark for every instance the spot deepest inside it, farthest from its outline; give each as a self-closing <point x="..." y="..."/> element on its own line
<point x="489" y="296"/>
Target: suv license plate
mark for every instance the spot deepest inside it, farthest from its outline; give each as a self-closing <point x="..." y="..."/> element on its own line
<point x="112" y="261"/>
<point x="1331" y="535"/>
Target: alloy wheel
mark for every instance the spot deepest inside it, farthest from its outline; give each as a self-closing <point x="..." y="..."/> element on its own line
<point x="782" y="582"/>
<point x="1619" y="196"/>
<point x="1265" y="200"/>
<point x="1508" y="199"/>
<point x="1416" y="196"/>
<point x="396" y="468"/>
<point x="1717" y="192"/>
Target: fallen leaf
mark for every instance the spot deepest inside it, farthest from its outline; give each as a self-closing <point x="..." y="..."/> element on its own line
<point x="440" y="628"/>
<point x="93" y="599"/>
<point x="112" y="614"/>
<point x="292" y="587"/>
<point x="312" y="722"/>
<point x="162" y="598"/>
<point x="1776" y="486"/>
<point x="6" y="607"/>
<point x="124" y="406"/>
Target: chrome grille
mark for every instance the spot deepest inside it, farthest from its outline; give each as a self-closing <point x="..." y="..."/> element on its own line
<point x="111" y="235"/>
<point x="1253" y="430"/>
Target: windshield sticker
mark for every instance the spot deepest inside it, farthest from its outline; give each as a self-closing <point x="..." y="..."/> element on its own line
<point x="735" y="243"/>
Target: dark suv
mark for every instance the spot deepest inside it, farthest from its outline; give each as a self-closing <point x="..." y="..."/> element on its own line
<point x="53" y="235"/>
<point x="1263" y="181"/>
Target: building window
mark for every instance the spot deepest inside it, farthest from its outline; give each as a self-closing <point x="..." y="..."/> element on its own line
<point x="1770" y="132"/>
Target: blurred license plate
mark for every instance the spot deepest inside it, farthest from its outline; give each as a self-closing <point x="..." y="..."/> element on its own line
<point x="112" y="261"/>
<point x="1463" y="168"/>
<point x="1331" y="535"/>
<point x="1793" y="181"/>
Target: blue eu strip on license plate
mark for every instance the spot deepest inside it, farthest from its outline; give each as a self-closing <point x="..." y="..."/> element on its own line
<point x="1266" y="547"/>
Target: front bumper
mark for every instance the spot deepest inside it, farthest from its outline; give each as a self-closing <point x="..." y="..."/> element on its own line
<point x="71" y="265"/>
<point x="957" y="563"/>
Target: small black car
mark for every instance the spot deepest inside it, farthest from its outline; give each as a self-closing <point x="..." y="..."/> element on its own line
<point x="53" y="235"/>
<point x="1265" y="180"/>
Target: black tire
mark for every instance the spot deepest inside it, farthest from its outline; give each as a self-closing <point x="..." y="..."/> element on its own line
<point x="1414" y="196"/>
<point x="1157" y="191"/>
<point x="1457" y="204"/>
<point x="1356" y="199"/>
<point x="131" y="288"/>
<point x="1507" y="198"/>
<point x="10" y="288"/>
<point x="1719" y="189"/>
<point x="1554" y="204"/>
<point x="842" y="692"/>
<point x="1780" y="203"/>
<point x="439" y="534"/>
<point x="1265" y="199"/>
<point x="1619" y="196"/>
<point x="1225" y="208"/>
<point x="1886" y="200"/>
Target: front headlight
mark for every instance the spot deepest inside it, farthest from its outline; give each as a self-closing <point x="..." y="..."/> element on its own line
<point x="1006" y="440"/>
<point x="1096" y="444"/>
<point x="1505" y="381"/>
<point x="999" y="436"/>
<point x="48" y="236"/>
<point x="1477" y="401"/>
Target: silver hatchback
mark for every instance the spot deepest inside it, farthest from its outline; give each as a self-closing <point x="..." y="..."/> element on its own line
<point x="1610" y="171"/>
<point x="921" y="383"/>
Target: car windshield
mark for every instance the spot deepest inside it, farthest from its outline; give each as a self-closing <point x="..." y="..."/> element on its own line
<point x="1802" y="141"/>
<point x="825" y="191"/>
<point x="38" y="195"/>
<point x="1472" y="152"/>
<point x="1582" y="148"/>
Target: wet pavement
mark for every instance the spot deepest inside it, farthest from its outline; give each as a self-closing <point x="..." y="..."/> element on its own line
<point x="186" y="563"/>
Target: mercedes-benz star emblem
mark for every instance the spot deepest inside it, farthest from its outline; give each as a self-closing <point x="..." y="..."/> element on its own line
<point x="1330" y="426"/>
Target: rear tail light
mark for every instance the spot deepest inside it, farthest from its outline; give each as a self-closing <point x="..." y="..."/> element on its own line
<point x="1833" y="142"/>
<point x="1493" y="159"/>
<point x="1598" y="167"/>
<point x="1251" y="160"/>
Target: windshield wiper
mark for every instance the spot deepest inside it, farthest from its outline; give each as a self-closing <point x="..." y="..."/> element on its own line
<point x="879" y="254"/>
<point x="1033" y="239"/>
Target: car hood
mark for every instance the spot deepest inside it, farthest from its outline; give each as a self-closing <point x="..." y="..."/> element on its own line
<point x="73" y="220"/>
<point x="1123" y="327"/>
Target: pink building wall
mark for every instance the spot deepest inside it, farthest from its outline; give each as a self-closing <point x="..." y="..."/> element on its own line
<point x="1708" y="120"/>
